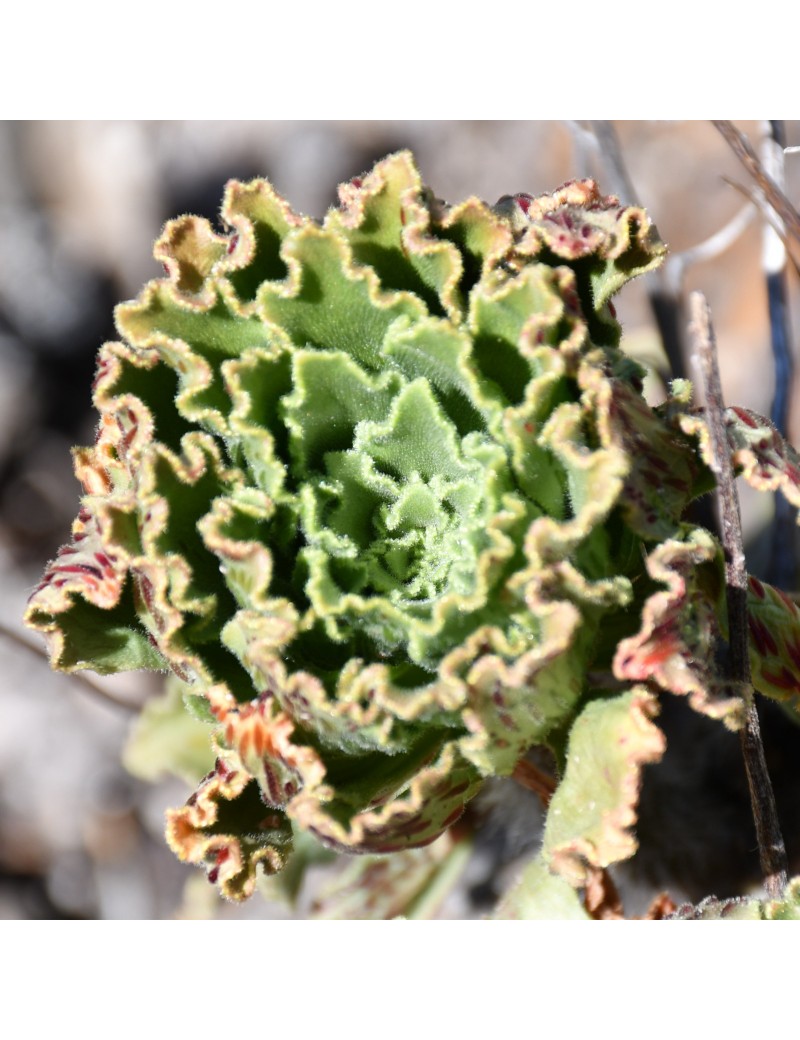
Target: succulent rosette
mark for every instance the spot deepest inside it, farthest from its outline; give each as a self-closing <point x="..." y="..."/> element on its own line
<point x="384" y="494"/>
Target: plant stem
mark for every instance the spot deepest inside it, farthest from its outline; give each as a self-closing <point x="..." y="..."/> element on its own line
<point x="771" y="848"/>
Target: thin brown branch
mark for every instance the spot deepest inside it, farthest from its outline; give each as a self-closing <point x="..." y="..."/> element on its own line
<point x="758" y="199"/>
<point x="772" y="851"/>
<point x="770" y="194"/>
<point x="96" y="689"/>
<point x="532" y="778"/>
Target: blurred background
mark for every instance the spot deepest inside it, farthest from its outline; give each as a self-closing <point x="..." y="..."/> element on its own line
<point x="80" y="205"/>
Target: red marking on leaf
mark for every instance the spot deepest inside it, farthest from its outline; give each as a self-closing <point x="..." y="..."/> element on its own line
<point x="612" y="308"/>
<point x="454" y="815"/>
<point x="224" y="771"/>
<point x="762" y="637"/>
<point x="233" y="241"/>
<point x="766" y="635"/>
<point x="755" y="635"/>
<point x="793" y="650"/>
<point x="385" y="848"/>
<point x="784" y="679"/>
<point x="660" y="650"/>
<point x="757" y="587"/>
<point x="457" y="790"/>
<point x="220" y="857"/>
<point x="414" y="827"/>
<point x="571" y="300"/>
<point x="356" y="182"/>
<point x="147" y="591"/>
<point x="273" y="783"/>
<point x="528" y="427"/>
<point x="81" y="568"/>
<point x="748" y="420"/>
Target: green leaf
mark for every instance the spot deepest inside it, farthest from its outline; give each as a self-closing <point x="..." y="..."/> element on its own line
<point x="226" y="827"/>
<point x="591" y="816"/>
<point x="168" y="739"/>
<point x="380" y="888"/>
<point x="540" y="895"/>
<point x="680" y="627"/>
<point x="774" y="630"/>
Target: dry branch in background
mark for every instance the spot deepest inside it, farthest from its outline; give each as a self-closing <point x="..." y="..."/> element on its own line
<point x="769" y="192"/>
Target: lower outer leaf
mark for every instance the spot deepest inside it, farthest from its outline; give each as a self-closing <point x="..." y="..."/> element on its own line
<point x="774" y="630"/>
<point x="759" y="453"/>
<point x="787" y="908"/>
<point x="383" y="887"/>
<point x="435" y="799"/>
<point x="676" y="643"/>
<point x="167" y="739"/>
<point x="713" y="909"/>
<point x="227" y="827"/>
<point x="592" y="812"/>
<point x="540" y="895"/>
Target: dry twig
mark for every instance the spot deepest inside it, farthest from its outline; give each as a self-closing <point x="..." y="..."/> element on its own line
<point x="770" y="195"/>
<point x="532" y="778"/>
<point x="770" y="841"/>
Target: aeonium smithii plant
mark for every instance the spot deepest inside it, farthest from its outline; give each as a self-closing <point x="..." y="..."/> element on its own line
<point x="385" y="497"/>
